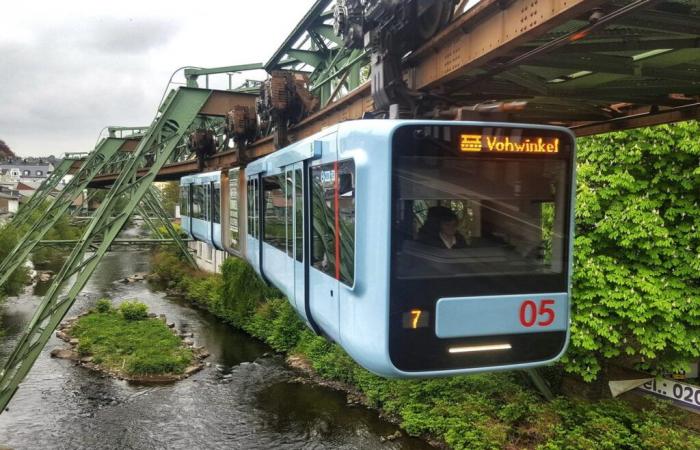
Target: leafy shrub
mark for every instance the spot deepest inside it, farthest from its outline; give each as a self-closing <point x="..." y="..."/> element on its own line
<point x="103" y="306"/>
<point x="168" y="266"/>
<point x="637" y="270"/>
<point x="8" y="240"/>
<point x="133" y="310"/>
<point x="242" y="290"/>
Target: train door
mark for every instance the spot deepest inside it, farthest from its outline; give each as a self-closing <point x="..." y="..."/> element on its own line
<point x="296" y="175"/>
<point x="323" y="259"/>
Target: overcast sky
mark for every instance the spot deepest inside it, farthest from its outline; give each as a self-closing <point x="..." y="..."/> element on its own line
<point x="68" y="69"/>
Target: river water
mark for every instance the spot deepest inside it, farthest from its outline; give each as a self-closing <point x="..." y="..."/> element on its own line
<point x="245" y="399"/>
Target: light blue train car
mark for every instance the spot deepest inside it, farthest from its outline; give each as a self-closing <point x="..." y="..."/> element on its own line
<point x="423" y="248"/>
<point x="200" y="207"/>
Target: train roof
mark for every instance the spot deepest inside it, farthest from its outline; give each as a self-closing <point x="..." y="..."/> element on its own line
<point x="201" y="178"/>
<point x="306" y="148"/>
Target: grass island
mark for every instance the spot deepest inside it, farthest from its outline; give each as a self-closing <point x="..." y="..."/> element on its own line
<point x="129" y="343"/>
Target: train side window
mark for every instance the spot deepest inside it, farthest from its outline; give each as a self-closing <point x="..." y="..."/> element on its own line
<point x="184" y="201"/>
<point x="289" y="197"/>
<point x="233" y="207"/>
<point x="346" y="219"/>
<point x="333" y="210"/>
<point x="299" y="213"/>
<point x="256" y="207"/>
<point x="197" y="201"/>
<point x="252" y="208"/>
<point x="207" y="202"/>
<point x="275" y="211"/>
<point x="217" y="203"/>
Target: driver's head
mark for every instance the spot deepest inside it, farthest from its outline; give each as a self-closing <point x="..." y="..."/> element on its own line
<point x="446" y="218"/>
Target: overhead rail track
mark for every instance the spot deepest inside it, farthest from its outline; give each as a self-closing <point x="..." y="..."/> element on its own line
<point x="591" y="65"/>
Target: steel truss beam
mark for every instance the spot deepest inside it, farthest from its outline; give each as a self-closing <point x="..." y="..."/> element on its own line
<point x="42" y="193"/>
<point x="104" y="151"/>
<point x="152" y="205"/>
<point x="177" y="114"/>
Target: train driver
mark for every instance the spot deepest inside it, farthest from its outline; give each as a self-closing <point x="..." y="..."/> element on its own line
<point x="440" y="229"/>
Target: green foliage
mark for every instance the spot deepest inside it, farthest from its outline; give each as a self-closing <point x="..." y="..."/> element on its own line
<point x="134" y="346"/>
<point x="243" y="291"/>
<point x="637" y="251"/>
<point x="54" y="256"/>
<point x="489" y="411"/>
<point x="8" y="240"/>
<point x="103" y="305"/>
<point x="170" y="192"/>
<point x="163" y="232"/>
<point x="133" y="310"/>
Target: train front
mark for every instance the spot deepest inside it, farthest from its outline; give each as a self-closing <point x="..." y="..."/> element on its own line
<point x="481" y="246"/>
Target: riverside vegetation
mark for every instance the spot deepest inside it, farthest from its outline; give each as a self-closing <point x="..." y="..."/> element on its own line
<point x="41" y="256"/>
<point x="490" y="411"/>
<point x="636" y="303"/>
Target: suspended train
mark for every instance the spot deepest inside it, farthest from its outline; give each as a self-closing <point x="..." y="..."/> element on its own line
<point x="423" y="248"/>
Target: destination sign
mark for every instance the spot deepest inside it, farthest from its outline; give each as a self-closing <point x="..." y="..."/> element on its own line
<point x="506" y="144"/>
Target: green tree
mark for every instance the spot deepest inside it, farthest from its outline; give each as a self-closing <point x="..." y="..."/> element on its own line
<point x="171" y="196"/>
<point x="636" y="296"/>
<point x="8" y="240"/>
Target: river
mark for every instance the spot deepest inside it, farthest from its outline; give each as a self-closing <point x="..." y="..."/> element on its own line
<point x="246" y="398"/>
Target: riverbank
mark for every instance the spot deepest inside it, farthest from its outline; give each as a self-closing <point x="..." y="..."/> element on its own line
<point x="129" y="344"/>
<point x="496" y="410"/>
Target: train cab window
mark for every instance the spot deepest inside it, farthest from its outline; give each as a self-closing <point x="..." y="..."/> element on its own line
<point x="216" y="203"/>
<point x="275" y="211"/>
<point x="253" y="206"/>
<point x="197" y="201"/>
<point x="333" y="210"/>
<point x="486" y="216"/>
<point x="184" y="201"/>
<point x="233" y="208"/>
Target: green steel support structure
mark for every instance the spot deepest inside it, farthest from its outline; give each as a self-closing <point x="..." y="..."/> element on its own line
<point x="42" y="193"/>
<point x="178" y="113"/>
<point x="104" y="151"/>
<point x="152" y="203"/>
<point x="86" y="203"/>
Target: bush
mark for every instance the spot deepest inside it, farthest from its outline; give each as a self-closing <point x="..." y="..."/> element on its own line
<point x="242" y="291"/>
<point x="637" y="270"/>
<point x="133" y="310"/>
<point x="8" y="240"/>
<point x="103" y="306"/>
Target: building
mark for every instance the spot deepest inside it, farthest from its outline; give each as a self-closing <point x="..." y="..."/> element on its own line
<point x="26" y="171"/>
<point x="9" y="200"/>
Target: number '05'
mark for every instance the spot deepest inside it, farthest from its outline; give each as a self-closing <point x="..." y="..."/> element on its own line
<point x="530" y="312"/>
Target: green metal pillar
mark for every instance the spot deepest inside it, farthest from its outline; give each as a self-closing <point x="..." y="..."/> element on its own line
<point x="167" y="130"/>
<point x="104" y="151"/>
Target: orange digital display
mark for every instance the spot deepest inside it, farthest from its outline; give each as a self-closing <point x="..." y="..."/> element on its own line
<point x="415" y="319"/>
<point x="505" y="144"/>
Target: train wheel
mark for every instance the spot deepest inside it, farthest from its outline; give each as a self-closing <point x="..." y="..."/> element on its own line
<point x="433" y="18"/>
